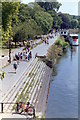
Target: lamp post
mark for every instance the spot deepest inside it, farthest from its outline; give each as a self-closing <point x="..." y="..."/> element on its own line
<point x="2" y="74"/>
<point x="9" y="50"/>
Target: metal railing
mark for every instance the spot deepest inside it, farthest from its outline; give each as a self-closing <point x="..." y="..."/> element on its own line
<point x="6" y="107"/>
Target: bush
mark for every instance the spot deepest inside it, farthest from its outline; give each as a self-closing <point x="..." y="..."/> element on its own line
<point x="62" y="43"/>
<point x="59" y="42"/>
<point x="65" y="44"/>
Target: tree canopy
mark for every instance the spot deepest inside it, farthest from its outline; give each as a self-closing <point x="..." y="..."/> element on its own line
<point x="52" y="8"/>
<point x="33" y="21"/>
<point x="25" y="21"/>
<point x="50" y="5"/>
<point x="56" y="19"/>
<point x="44" y="20"/>
<point x="9" y="12"/>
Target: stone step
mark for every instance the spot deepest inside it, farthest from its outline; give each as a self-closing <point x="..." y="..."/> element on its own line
<point x="36" y="78"/>
<point x="42" y="96"/>
<point x="41" y="92"/>
<point x="40" y="71"/>
<point x="34" y="91"/>
<point x="19" y="91"/>
<point x="32" y="78"/>
<point x="18" y="82"/>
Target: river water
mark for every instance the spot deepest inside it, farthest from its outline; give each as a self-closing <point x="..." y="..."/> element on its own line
<point x="63" y="94"/>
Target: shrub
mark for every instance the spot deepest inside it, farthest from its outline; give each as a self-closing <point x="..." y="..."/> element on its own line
<point x="62" y="43"/>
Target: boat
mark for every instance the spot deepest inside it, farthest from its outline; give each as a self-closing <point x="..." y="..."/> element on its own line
<point x="73" y="39"/>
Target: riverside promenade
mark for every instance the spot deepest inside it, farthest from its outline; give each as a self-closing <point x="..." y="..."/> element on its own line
<point x="11" y="78"/>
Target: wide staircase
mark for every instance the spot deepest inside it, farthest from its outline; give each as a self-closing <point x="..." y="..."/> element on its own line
<point x="32" y="86"/>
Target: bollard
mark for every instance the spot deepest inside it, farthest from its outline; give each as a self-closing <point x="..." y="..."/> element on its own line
<point x="1" y="107"/>
<point x="17" y="107"/>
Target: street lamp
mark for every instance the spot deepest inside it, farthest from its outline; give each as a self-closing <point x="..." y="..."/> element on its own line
<point x="9" y="50"/>
<point x="2" y="74"/>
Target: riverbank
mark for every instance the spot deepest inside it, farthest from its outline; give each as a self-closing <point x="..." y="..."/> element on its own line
<point x="63" y="93"/>
<point x="32" y="87"/>
<point x="36" y="78"/>
<point x="12" y="80"/>
<point x="55" y="52"/>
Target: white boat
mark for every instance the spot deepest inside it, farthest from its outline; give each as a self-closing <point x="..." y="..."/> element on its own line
<point x="74" y="39"/>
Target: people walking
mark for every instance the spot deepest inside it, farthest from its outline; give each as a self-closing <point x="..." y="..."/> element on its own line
<point x="30" y="54"/>
<point x="17" y="58"/>
<point x="15" y="65"/>
<point x="21" y="55"/>
<point x="28" y="57"/>
<point x="24" y="55"/>
<point x="28" y="49"/>
<point x="45" y="41"/>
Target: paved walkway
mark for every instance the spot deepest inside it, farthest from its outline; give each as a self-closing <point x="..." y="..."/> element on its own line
<point x="9" y="115"/>
<point x="11" y="77"/>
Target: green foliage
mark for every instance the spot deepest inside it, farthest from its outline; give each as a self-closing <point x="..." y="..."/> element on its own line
<point x="56" y="19"/>
<point x="79" y="23"/>
<point x="65" y="44"/>
<point x="44" y="20"/>
<point x="50" y="5"/>
<point x="33" y="21"/>
<point x="51" y="8"/>
<point x="69" y="21"/>
<point x="26" y="30"/>
<point x="74" y="24"/>
<point x="62" y="43"/>
<point x="24" y="21"/>
<point x="9" y="12"/>
<point x="59" y="42"/>
<point x="2" y="74"/>
<point x="27" y="12"/>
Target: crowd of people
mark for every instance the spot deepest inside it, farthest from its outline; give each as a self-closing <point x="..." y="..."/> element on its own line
<point x="25" y="55"/>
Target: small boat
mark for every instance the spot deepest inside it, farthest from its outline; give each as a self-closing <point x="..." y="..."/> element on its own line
<point x="74" y="39"/>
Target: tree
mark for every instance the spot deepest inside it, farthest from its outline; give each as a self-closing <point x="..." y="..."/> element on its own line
<point x="56" y="19"/>
<point x="29" y="29"/>
<point x="70" y="21"/>
<point x="28" y="11"/>
<point x="74" y="24"/>
<point x="33" y="21"/>
<point x="44" y="20"/>
<point x="50" y="5"/>
<point x="66" y="22"/>
<point x="79" y="23"/>
<point x="9" y="11"/>
<point x="52" y="8"/>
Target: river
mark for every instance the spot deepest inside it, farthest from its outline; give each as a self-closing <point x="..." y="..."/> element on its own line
<point x="63" y="94"/>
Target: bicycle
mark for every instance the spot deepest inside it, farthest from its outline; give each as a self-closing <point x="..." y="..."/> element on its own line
<point x="28" y="108"/>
